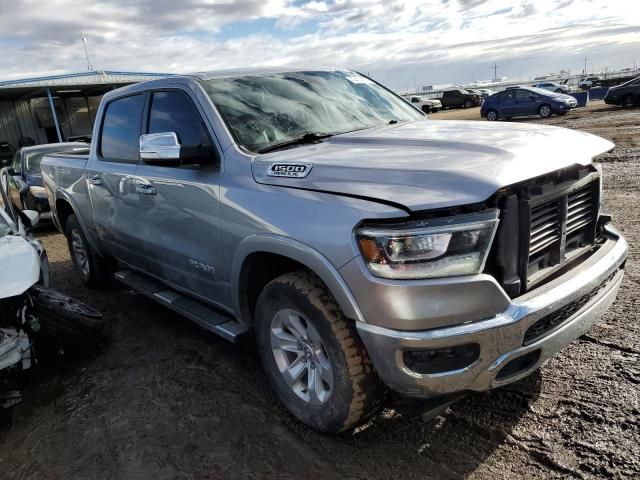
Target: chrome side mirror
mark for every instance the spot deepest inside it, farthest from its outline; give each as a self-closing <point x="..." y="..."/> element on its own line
<point x="160" y="147"/>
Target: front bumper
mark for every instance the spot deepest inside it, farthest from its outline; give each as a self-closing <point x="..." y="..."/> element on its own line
<point x="583" y="294"/>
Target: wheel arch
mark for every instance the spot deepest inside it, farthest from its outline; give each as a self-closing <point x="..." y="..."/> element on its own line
<point x="64" y="208"/>
<point x="261" y="258"/>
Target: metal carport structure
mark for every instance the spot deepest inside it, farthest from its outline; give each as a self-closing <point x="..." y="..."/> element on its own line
<point x="54" y="108"/>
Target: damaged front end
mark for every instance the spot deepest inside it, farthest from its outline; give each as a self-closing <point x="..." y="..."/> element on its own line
<point x="32" y="316"/>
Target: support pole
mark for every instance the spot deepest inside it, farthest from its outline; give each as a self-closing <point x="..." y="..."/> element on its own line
<point x="53" y="114"/>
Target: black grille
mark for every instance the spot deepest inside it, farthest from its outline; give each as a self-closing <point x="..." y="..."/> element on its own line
<point x="560" y="227"/>
<point x="545" y="224"/>
<point x="548" y="323"/>
<point x="580" y="209"/>
<point x="545" y="230"/>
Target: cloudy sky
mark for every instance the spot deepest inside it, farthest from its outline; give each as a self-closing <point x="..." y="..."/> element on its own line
<point x="401" y="43"/>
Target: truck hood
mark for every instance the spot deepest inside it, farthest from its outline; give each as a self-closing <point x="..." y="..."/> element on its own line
<point x="432" y="164"/>
<point x="20" y="266"/>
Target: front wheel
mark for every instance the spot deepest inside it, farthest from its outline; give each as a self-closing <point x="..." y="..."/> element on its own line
<point x="492" y="115"/>
<point x="545" y="111"/>
<point x="468" y="104"/>
<point x="313" y="356"/>
<point x="426" y="109"/>
<point x="628" y="101"/>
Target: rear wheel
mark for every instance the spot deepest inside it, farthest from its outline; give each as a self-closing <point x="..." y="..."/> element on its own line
<point x="628" y="101"/>
<point x="313" y="356"/>
<point x="492" y="115"/>
<point x="93" y="270"/>
<point x="545" y="111"/>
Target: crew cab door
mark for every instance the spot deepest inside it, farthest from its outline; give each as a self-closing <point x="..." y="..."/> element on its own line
<point x="110" y="177"/>
<point x="177" y="219"/>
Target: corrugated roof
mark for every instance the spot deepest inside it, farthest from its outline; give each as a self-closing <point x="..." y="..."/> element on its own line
<point x="83" y="78"/>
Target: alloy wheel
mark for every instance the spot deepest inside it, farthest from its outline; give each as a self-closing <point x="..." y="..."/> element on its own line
<point x="301" y="357"/>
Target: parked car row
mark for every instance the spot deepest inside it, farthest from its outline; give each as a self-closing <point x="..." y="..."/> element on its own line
<point x="546" y="99"/>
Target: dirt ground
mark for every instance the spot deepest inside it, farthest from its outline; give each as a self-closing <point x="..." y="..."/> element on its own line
<point x="164" y="399"/>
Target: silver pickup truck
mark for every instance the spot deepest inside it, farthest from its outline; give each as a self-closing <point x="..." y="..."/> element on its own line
<point x="366" y="247"/>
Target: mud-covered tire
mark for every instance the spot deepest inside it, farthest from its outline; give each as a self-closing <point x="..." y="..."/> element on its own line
<point x="357" y="392"/>
<point x="97" y="271"/>
<point x="64" y="322"/>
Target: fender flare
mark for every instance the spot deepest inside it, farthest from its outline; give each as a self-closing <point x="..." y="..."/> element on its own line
<point x="301" y="253"/>
<point x="62" y="195"/>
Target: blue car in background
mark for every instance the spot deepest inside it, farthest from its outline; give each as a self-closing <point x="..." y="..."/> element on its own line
<point x="26" y="189"/>
<point x="525" y="101"/>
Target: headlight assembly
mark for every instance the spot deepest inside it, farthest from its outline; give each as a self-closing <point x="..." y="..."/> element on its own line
<point x="440" y="247"/>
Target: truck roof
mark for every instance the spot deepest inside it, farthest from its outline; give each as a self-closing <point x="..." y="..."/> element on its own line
<point x="237" y="72"/>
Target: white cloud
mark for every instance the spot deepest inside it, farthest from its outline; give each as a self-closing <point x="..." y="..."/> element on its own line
<point x="433" y="40"/>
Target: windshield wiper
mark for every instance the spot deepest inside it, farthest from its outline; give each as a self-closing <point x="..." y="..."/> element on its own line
<point x="307" y="138"/>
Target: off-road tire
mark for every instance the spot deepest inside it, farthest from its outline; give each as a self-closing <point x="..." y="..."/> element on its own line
<point x="100" y="271"/>
<point x="357" y="392"/>
<point x="65" y="323"/>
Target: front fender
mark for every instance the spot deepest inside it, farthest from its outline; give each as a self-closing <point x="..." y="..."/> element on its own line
<point x="300" y="252"/>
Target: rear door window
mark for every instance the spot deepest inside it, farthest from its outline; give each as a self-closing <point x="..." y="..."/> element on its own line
<point x="120" y="139"/>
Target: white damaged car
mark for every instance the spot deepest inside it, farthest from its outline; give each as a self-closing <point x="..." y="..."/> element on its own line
<point x="32" y="316"/>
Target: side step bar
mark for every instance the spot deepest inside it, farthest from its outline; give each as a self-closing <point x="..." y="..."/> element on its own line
<point x="205" y="316"/>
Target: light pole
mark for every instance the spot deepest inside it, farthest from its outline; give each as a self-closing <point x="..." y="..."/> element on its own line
<point x="86" y="52"/>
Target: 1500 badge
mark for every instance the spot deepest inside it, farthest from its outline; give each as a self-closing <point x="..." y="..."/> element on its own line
<point x="295" y="170"/>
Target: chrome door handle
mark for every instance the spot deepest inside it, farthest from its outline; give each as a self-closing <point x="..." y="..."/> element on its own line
<point x="95" y="180"/>
<point x="145" y="189"/>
